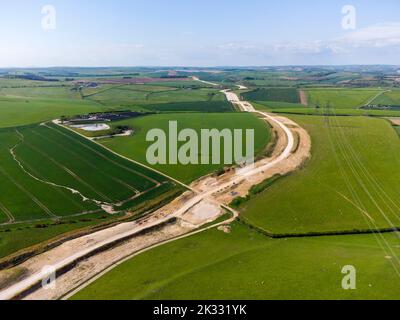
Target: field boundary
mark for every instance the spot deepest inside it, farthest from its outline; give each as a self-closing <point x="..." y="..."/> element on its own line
<point x="315" y="234"/>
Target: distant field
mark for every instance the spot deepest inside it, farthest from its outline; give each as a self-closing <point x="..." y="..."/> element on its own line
<point x="246" y="265"/>
<point x="142" y="95"/>
<point x="135" y="147"/>
<point x="351" y="181"/>
<point x="289" y="95"/>
<point x="391" y="98"/>
<point x="40" y="92"/>
<point x="321" y="111"/>
<point x="17" y="111"/>
<point x="199" y="106"/>
<point x="273" y="105"/>
<point x="341" y="98"/>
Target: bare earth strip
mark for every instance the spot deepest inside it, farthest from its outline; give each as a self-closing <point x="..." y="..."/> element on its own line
<point x="395" y="121"/>
<point x="205" y="202"/>
<point x="303" y="98"/>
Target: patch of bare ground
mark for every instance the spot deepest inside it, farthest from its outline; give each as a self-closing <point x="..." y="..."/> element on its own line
<point x="303" y="98"/>
<point x="395" y="121"/>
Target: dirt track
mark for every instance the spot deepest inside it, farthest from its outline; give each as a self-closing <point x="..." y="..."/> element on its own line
<point x="303" y="98"/>
<point x="192" y="210"/>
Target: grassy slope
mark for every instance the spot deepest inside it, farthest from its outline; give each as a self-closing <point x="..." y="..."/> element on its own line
<point x="247" y="265"/>
<point x="317" y="198"/>
<point x="135" y="146"/>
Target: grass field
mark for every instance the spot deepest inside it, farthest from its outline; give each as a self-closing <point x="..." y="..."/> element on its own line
<point x="246" y="265"/>
<point x="391" y="98"/>
<point x="135" y="147"/>
<point x="41" y="165"/>
<point x="197" y="106"/>
<point x="289" y="95"/>
<point x="134" y="95"/>
<point x="346" y="185"/>
<point x="341" y="98"/>
<point x="17" y="111"/>
<point x="58" y="92"/>
<point x="53" y="181"/>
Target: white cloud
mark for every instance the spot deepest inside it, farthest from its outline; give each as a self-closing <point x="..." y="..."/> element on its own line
<point x="376" y="36"/>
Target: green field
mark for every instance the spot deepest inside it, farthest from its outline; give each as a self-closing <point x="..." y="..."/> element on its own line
<point x="41" y="165"/>
<point x="347" y="184"/>
<point x="341" y="98"/>
<point x="134" y="95"/>
<point x="135" y="147"/>
<point x="391" y="98"/>
<point x="25" y="102"/>
<point x="197" y="106"/>
<point x="246" y="265"/>
<point x="17" y="111"/>
<point x="289" y="95"/>
<point x="54" y="181"/>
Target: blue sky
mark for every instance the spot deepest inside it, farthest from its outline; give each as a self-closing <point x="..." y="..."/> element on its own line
<point x="198" y="33"/>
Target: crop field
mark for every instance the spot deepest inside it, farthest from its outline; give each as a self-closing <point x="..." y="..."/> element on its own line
<point x="57" y="173"/>
<point x="390" y="98"/>
<point x="347" y="184"/>
<point x="142" y="95"/>
<point x="341" y="98"/>
<point x="244" y="264"/>
<point x="289" y="95"/>
<point x="273" y="105"/>
<point x="17" y="111"/>
<point x="135" y="147"/>
<point x="198" y="106"/>
<point x="53" y="92"/>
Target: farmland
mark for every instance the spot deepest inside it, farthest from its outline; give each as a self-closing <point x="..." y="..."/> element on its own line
<point x="350" y="184"/>
<point x="389" y="98"/>
<point x="58" y="174"/>
<point x="135" y="147"/>
<point x="24" y="102"/>
<point x="289" y="95"/>
<point x="142" y="95"/>
<point x="17" y="111"/>
<point x="341" y="98"/>
<point x="247" y="265"/>
<point x="294" y="233"/>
